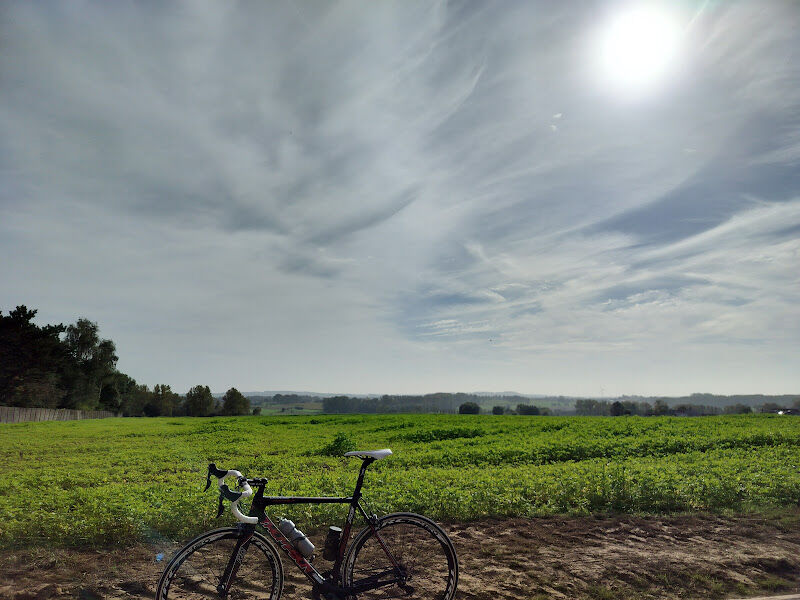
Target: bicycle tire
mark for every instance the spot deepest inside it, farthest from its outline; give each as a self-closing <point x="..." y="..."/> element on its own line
<point x="422" y="549"/>
<point x="195" y="570"/>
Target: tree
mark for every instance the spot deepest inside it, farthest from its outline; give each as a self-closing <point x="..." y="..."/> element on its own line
<point x="32" y="361"/>
<point x="617" y="409"/>
<point x="737" y="409"/>
<point x="109" y="398"/>
<point x="234" y="403"/>
<point x="590" y="406"/>
<point x="82" y="339"/>
<point x="527" y="409"/>
<point x="94" y="364"/>
<point x="498" y="410"/>
<point x="660" y="408"/>
<point x="163" y="402"/>
<point x="199" y="401"/>
<point x="469" y="408"/>
<point x="135" y="400"/>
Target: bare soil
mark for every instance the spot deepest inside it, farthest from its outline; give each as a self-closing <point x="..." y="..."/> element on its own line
<point x="602" y="558"/>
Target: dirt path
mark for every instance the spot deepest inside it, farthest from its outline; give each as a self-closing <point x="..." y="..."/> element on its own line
<point x="789" y="597"/>
<point x="601" y="558"/>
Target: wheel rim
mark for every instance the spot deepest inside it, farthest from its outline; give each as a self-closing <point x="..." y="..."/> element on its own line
<point x="196" y="572"/>
<point x="425" y="557"/>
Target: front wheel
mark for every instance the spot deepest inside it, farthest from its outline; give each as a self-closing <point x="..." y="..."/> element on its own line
<point x="407" y="556"/>
<point x="245" y="563"/>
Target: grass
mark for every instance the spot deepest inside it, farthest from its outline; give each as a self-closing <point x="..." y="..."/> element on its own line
<point x="117" y="481"/>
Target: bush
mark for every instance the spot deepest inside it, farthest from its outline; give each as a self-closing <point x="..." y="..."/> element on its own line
<point x="469" y="408"/>
<point x="437" y="435"/>
<point x="498" y="410"/>
<point x="341" y="443"/>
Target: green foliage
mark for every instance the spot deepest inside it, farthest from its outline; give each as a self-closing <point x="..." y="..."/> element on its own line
<point x="469" y="408"/>
<point x="162" y="402"/>
<point x="234" y="403"/>
<point x="435" y="435"/>
<point x="341" y="443"/>
<point x="116" y="481"/>
<point x="498" y="410"/>
<point x="33" y="361"/>
<point x="39" y="368"/>
<point x="199" y="401"/>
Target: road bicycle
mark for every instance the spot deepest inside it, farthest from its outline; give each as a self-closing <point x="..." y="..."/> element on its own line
<point x="400" y="555"/>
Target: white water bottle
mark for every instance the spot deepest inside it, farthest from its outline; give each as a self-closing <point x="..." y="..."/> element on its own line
<point x="296" y="537"/>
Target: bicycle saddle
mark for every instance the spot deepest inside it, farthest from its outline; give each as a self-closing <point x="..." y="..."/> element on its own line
<point x="376" y="454"/>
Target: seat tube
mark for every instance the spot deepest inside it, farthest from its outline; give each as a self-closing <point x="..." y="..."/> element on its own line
<point x="351" y="513"/>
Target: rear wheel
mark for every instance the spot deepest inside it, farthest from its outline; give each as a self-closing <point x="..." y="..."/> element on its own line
<point x="423" y="562"/>
<point x="199" y="568"/>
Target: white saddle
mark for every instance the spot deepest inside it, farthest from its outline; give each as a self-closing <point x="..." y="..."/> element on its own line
<point x="376" y="454"/>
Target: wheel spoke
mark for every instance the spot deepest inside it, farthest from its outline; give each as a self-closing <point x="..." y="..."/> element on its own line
<point x="428" y="567"/>
<point x="197" y="570"/>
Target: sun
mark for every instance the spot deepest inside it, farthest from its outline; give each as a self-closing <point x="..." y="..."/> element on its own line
<point x="637" y="48"/>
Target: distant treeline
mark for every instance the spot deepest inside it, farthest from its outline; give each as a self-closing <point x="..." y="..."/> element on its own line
<point x="474" y="404"/>
<point x="754" y="401"/>
<point x="428" y="403"/>
<point x="660" y="407"/>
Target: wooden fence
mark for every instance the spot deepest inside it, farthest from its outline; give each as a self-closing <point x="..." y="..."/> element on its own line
<point x="18" y="414"/>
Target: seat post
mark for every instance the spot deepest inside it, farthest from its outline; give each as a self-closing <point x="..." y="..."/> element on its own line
<point x="357" y="493"/>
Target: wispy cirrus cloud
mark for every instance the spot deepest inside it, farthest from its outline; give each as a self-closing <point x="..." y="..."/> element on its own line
<point x="404" y="197"/>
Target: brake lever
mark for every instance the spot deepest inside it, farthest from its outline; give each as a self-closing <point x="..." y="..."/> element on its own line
<point x="220" y="508"/>
<point x="213" y="470"/>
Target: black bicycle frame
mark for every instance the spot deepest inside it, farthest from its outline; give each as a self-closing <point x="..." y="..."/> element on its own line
<point x="257" y="509"/>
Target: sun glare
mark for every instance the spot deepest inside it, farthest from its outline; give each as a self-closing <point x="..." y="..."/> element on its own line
<point x="637" y="49"/>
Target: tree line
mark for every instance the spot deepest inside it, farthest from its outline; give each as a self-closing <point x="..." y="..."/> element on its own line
<point x="441" y="402"/>
<point x="58" y="366"/>
<point x="429" y="403"/>
<point x="660" y="407"/>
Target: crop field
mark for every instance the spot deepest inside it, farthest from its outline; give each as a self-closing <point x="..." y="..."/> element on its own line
<point x="121" y="481"/>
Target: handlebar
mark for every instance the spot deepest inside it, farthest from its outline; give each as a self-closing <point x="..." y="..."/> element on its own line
<point x="229" y="494"/>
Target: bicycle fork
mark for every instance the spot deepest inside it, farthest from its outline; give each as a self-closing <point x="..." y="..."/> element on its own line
<point x="234" y="562"/>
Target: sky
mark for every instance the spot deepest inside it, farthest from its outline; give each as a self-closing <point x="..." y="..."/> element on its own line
<point x="577" y="198"/>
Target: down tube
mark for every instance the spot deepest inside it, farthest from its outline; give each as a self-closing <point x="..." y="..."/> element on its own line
<point x="282" y="541"/>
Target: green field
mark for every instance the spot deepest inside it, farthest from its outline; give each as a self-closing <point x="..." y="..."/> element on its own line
<point x="118" y="481"/>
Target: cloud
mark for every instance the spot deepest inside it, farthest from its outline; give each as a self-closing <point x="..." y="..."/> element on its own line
<point x="361" y="198"/>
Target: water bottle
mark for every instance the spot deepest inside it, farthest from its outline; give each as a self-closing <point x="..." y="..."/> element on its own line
<point x="332" y="543"/>
<point x="296" y="537"/>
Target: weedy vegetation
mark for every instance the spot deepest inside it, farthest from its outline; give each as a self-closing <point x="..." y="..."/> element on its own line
<point x="120" y="481"/>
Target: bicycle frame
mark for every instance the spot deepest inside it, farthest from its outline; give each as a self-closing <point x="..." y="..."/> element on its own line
<point x="258" y="508"/>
